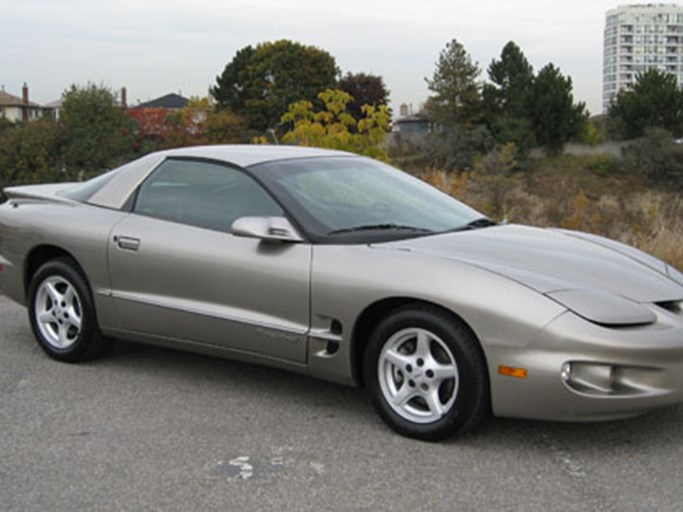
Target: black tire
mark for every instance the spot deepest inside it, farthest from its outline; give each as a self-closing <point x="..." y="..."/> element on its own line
<point x="66" y="329"/>
<point x="439" y="390"/>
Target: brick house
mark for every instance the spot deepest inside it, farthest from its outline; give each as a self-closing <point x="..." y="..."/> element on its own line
<point x="16" y="109"/>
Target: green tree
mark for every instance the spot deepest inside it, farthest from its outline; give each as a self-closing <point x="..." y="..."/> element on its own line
<point x="230" y="92"/>
<point x="334" y="127"/>
<point x="511" y="79"/>
<point x="29" y="153"/>
<point x="457" y="98"/>
<point x="224" y="127"/>
<point x="655" y="101"/>
<point x="554" y="117"/>
<point x="261" y="83"/>
<point x="97" y="133"/>
<point x="365" y="89"/>
<point x="508" y="96"/>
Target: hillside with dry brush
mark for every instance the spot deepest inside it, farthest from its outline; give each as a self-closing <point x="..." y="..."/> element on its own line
<point x="582" y="193"/>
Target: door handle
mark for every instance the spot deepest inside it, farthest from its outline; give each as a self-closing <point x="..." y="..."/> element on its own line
<point x="127" y="242"/>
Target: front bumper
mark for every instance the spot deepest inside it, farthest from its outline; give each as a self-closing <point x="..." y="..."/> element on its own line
<point x="580" y="371"/>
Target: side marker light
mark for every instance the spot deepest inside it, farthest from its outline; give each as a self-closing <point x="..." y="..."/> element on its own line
<point x="511" y="371"/>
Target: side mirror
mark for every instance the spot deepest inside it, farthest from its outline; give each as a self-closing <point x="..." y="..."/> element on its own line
<point x="277" y="229"/>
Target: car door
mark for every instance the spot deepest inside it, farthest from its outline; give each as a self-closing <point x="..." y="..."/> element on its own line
<point x="178" y="273"/>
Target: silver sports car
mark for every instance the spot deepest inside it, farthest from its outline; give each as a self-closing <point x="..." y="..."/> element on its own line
<point x="348" y="270"/>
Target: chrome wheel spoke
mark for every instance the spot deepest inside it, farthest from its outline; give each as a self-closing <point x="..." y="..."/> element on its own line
<point x="69" y="295"/>
<point x="63" y="335"/>
<point x="433" y="402"/>
<point x="444" y="372"/>
<point x="53" y="292"/>
<point x="404" y="395"/>
<point x="423" y="345"/>
<point x="397" y="359"/>
<point x="46" y="317"/>
<point x="74" y="319"/>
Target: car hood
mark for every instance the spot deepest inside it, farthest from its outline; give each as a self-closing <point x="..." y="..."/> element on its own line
<point x="550" y="260"/>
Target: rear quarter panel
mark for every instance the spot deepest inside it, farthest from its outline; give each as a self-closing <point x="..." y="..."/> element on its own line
<point x="78" y="229"/>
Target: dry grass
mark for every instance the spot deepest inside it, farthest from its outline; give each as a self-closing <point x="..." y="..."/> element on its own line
<point x="571" y="197"/>
<point x="664" y="239"/>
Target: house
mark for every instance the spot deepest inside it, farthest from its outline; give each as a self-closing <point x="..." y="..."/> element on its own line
<point x="153" y="114"/>
<point x="171" y="101"/>
<point x="15" y="109"/>
<point x="412" y="125"/>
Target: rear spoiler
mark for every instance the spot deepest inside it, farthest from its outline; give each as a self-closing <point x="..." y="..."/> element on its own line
<point x="30" y="193"/>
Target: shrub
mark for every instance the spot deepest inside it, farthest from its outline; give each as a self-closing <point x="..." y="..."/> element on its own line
<point x="657" y="157"/>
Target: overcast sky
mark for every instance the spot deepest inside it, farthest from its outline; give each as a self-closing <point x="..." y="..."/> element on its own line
<point x="153" y="47"/>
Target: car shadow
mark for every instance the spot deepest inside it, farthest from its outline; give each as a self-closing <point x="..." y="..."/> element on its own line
<point x="350" y="404"/>
<point x="654" y="429"/>
<point x="228" y="374"/>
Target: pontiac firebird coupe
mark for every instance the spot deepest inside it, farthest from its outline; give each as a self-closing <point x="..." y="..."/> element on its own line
<point x="348" y="270"/>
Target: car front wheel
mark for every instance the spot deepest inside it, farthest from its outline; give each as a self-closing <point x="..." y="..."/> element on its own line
<point x="425" y="374"/>
<point x="62" y="314"/>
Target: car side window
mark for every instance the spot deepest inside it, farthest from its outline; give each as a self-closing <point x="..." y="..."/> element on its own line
<point x="202" y="194"/>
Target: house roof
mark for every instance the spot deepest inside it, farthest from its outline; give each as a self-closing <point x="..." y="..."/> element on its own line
<point x="9" y="100"/>
<point x="169" y="101"/>
<point x="55" y="103"/>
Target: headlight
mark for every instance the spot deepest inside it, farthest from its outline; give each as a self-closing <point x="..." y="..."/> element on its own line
<point x="604" y="308"/>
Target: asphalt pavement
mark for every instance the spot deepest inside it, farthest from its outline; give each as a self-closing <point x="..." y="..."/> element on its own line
<point x="151" y="429"/>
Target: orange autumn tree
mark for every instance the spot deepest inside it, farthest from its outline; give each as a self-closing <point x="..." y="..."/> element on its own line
<point x="197" y="123"/>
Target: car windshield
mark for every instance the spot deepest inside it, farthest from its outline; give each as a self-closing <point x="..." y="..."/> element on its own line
<point x="344" y="199"/>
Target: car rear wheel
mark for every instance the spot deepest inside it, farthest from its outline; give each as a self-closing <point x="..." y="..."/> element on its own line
<point x="425" y="374"/>
<point x="61" y="313"/>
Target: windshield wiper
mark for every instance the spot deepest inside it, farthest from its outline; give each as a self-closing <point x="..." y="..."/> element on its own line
<point x="378" y="227"/>
<point x="483" y="222"/>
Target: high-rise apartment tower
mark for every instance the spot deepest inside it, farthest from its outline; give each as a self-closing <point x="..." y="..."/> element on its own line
<point x="639" y="38"/>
